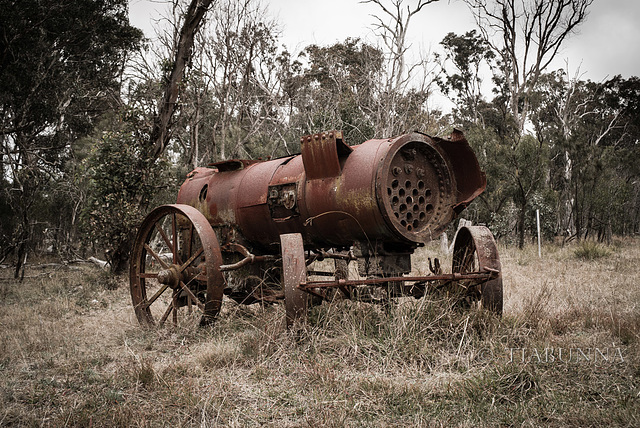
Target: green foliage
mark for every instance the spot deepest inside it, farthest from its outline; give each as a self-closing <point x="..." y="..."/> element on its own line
<point x="7" y="219"/>
<point x="466" y="54"/>
<point x="62" y="49"/>
<point x="555" y="144"/>
<point x="591" y="130"/>
<point x="575" y="157"/>
<point x="61" y="61"/>
<point x="333" y="87"/>
<point x="546" y="201"/>
<point x="122" y="182"/>
<point x="590" y="250"/>
<point x="528" y="169"/>
<point x="495" y="207"/>
<point x="503" y="223"/>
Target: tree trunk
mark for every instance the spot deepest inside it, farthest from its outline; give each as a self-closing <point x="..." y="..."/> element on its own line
<point x="160" y="134"/>
<point x="119" y="260"/>
<point x="522" y="217"/>
<point x="21" y="260"/>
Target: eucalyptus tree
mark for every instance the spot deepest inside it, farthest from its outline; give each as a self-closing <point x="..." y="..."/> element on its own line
<point x="235" y="76"/>
<point x="592" y="129"/>
<point x="405" y="83"/>
<point x="128" y="165"/>
<point x="335" y="87"/>
<point x="461" y="69"/>
<point x="59" y="71"/>
<point x="526" y="36"/>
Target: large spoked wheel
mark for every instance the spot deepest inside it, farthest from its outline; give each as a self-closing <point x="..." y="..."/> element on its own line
<point x="175" y="267"/>
<point x="475" y="251"/>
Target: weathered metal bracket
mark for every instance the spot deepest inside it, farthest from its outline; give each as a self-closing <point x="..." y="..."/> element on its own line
<point x="294" y="272"/>
<point x="321" y="154"/>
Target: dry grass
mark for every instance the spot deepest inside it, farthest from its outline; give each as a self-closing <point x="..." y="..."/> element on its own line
<point x="72" y="354"/>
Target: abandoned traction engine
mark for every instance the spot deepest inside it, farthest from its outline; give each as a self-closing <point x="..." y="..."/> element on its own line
<point x="287" y="229"/>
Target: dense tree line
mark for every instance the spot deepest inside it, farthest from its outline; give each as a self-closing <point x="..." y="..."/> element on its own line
<point x="98" y="124"/>
<point x="60" y="69"/>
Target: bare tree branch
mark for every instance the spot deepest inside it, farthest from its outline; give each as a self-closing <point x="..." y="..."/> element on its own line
<point x="183" y="51"/>
<point x="526" y="35"/>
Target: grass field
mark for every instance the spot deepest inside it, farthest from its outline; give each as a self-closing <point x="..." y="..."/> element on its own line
<point x="565" y="353"/>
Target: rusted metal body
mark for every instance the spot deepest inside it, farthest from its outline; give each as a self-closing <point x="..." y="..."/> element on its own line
<point x="373" y="203"/>
<point x="402" y="191"/>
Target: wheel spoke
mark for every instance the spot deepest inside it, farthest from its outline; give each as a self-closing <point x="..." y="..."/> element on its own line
<point x="149" y="302"/>
<point x="192" y="296"/>
<point x="174" y="233"/>
<point x="191" y="259"/>
<point x="187" y="233"/>
<point x="147" y="274"/>
<point x="165" y="238"/>
<point x="167" y="312"/>
<point x="189" y="241"/>
<point x="155" y="256"/>
<point x="175" y="308"/>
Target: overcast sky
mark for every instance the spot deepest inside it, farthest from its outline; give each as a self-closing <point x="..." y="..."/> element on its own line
<point x="608" y="43"/>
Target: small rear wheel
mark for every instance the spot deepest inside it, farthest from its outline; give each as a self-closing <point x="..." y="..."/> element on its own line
<point x="475" y="251"/>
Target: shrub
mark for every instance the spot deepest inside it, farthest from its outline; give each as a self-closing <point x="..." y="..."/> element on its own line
<point x="589" y="250"/>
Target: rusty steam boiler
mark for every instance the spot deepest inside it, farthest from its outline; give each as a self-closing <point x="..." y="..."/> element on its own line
<point x="287" y="229"/>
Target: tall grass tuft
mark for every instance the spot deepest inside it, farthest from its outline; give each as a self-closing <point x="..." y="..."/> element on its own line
<point x="590" y="250"/>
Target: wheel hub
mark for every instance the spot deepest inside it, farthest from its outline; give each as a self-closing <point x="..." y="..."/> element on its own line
<point x="172" y="275"/>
